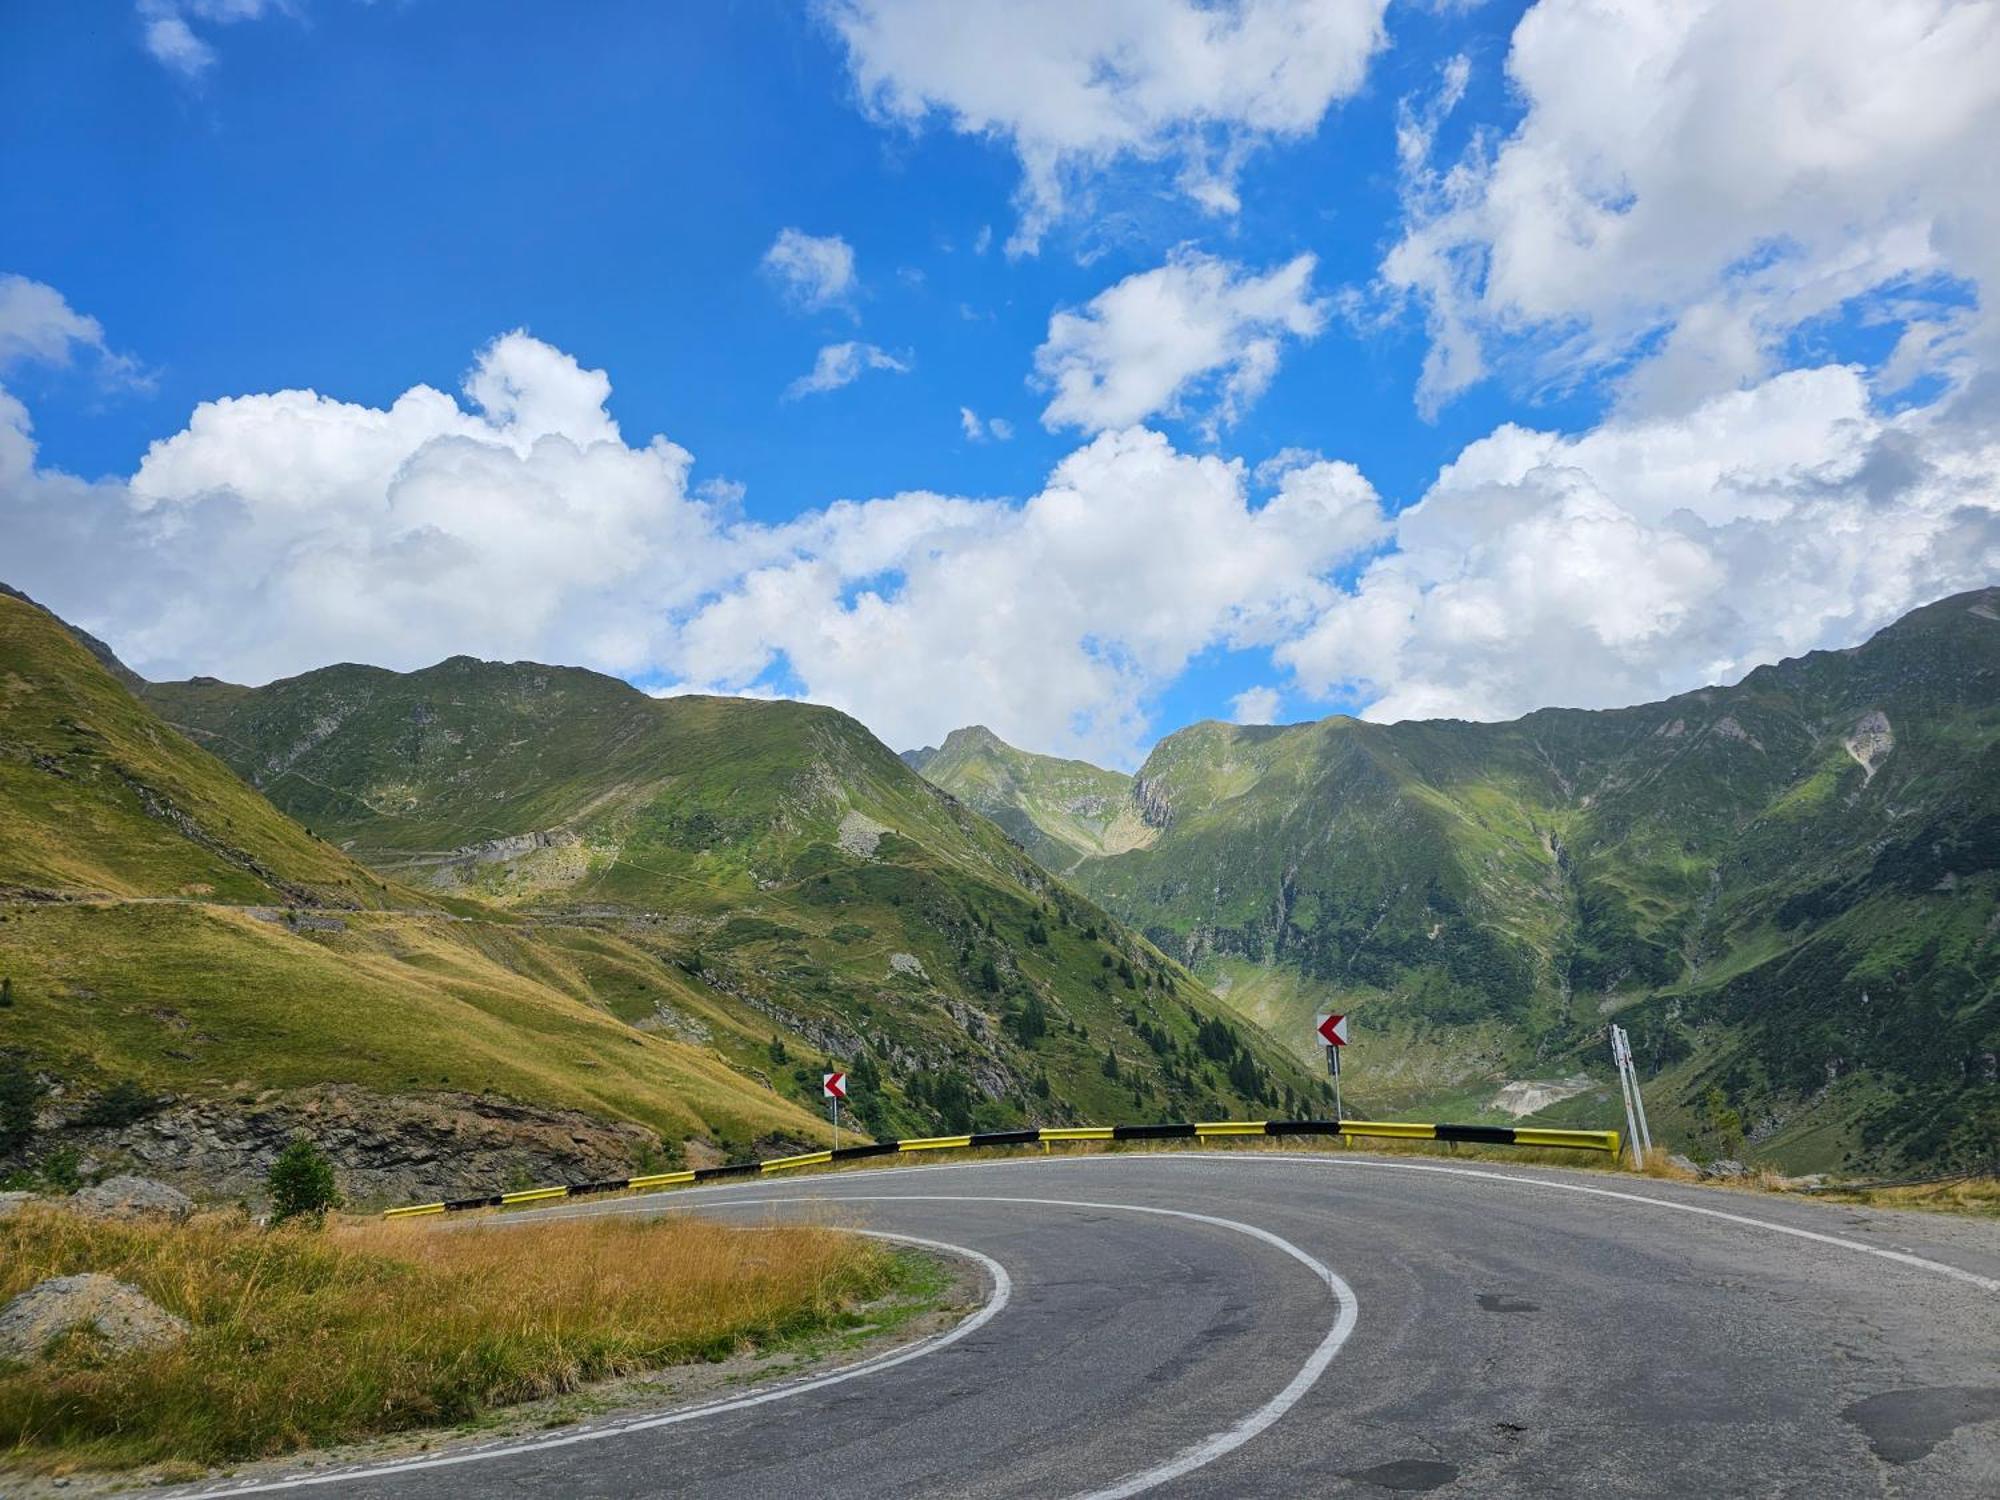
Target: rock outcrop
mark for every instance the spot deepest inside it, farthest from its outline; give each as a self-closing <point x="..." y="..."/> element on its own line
<point x="383" y="1147"/>
<point x="120" y="1317"/>
<point x="128" y="1197"/>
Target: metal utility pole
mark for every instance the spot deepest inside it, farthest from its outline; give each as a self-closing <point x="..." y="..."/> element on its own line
<point x="1636" y="1131"/>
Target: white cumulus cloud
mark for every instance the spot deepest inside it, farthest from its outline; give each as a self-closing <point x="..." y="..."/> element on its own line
<point x="1655" y="554"/>
<point x="281" y="531"/>
<point x="1256" y="705"/>
<point x="1196" y="333"/>
<point x="1691" y="181"/>
<point x="1074" y="88"/>
<point x="816" y="271"/>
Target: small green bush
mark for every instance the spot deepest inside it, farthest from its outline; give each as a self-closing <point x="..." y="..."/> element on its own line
<point x="121" y="1104"/>
<point x="301" y="1183"/>
<point x="20" y="1093"/>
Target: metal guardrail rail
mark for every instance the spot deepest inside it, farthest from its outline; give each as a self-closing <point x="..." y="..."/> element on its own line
<point x="1482" y="1135"/>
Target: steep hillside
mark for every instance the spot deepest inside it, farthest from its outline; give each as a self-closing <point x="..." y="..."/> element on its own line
<point x="794" y="893"/>
<point x="1785" y="889"/>
<point x="163" y="927"/>
<point x="1060" y="811"/>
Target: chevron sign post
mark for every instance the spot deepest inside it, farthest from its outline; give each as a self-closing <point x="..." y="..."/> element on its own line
<point x="1332" y="1030"/>
<point x="834" y="1086"/>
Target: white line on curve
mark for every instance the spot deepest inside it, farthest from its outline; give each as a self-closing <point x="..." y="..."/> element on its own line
<point x="1003" y="1290"/>
<point x="1216" y="1444"/>
<point x="1184" y="1462"/>
<point x="1901" y="1257"/>
<point x="1272" y="1158"/>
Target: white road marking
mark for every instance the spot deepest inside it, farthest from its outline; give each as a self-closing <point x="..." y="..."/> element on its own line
<point x="1003" y="1291"/>
<point x="1270" y="1158"/>
<point x="1237" y="1433"/>
<point x="1901" y="1257"/>
<point x="1180" y="1464"/>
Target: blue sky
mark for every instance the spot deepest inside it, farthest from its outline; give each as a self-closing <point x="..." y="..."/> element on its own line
<point x="215" y="199"/>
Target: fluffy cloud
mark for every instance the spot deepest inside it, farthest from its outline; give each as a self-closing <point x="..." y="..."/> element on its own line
<point x="996" y="429"/>
<point x="1694" y="180"/>
<point x="1195" y="331"/>
<point x="278" y="532"/>
<point x="1074" y="88"/>
<point x="816" y="271"/>
<point x="843" y="364"/>
<point x="1054" y="621"/>
<point x="1655" y="554"/>
<point x="175" y="44"/>
<point x="38" y="324"/>
<point x="1256" y="705"/>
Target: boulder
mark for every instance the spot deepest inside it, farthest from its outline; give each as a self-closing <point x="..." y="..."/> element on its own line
<point x="1725" y="1167"/>
<point x="118" y="1314"/>
<point x="133" y="1198"/>
<point x="10" y="1203"/>
<point x="1683" y="1164"/>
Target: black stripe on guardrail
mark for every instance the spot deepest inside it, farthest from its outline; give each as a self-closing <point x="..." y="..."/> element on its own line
<point x="1152" y="1132"/>
<point x="872" y="1148"/>
<point x="1007" y="1138"/>
<point x="609" y="1185"/>
<point x="730" y="1169"/>
<point x="1484" y="1135"/>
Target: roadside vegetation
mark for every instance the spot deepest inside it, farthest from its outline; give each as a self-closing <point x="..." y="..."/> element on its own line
<point x="302" y="1338"/>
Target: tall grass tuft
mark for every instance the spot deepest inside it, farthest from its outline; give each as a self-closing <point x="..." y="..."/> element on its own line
<point x="304" y="1338"/>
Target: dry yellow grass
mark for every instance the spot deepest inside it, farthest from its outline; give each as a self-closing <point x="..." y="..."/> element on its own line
<point x="1978" y="1196"/>
<point x="305" y="1338"/>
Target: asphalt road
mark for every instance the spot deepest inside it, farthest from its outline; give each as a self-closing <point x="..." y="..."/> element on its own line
<point x="1254" y="1324"/>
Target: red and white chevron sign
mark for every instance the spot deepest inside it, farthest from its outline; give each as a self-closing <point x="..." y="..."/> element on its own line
<point x="834" y="1085"/>
<point x="1333" y="1030"/>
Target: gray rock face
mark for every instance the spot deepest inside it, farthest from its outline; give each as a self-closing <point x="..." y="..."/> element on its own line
<point x="10" y="1203"/>
<point x="133" y="1198"/>
<point x="124" y="1318"/>
<point x="383" y="1147"/>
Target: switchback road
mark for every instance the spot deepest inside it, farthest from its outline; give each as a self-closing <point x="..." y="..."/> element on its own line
<point x="1320" y="1325"/>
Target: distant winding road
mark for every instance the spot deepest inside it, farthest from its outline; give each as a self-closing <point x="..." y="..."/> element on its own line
<point x="1257" y="1324"/>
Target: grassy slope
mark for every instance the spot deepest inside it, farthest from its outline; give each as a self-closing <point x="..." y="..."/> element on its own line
<point x="1718" y="871"/>
<point x="768" y="876"/>
<point x="172" y="960"/>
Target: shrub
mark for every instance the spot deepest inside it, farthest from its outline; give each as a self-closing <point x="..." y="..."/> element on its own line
<point x="301" y="1183"/>
<point x="120" y="1104"/>
<point x="20" y="1093"/>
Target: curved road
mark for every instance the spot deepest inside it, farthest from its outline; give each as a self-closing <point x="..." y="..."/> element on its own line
<point x="1258" y="1324"/>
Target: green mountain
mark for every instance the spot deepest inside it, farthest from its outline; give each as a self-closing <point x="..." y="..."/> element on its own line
<point x="1060" y="811"/>
<point x="163" y="927"/>
<point x="1784" y="889"/>
<point x="767" y="878"/>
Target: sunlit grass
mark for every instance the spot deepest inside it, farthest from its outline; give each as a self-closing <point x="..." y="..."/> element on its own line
<point x="303" y="1338"/>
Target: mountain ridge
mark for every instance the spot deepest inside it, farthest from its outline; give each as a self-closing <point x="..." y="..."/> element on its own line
<point x="1712" y="869"/>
